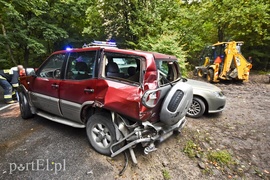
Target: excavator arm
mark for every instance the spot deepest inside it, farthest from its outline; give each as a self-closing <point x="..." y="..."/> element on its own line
<point x="235" y="65"/>
<point x="243" y="67"/>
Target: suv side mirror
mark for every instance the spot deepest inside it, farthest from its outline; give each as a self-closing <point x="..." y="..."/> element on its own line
<point x="30" y="72"/>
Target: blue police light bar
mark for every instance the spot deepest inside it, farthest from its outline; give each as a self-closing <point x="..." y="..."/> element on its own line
<point x="68" y="48"/>
<point x="103" y="43"/>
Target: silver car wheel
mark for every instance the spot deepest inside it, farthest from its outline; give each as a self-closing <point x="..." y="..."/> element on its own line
<point x="197" y="108"/>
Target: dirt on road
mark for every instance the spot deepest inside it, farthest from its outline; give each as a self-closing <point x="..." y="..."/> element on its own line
<point x="234" y="144"/>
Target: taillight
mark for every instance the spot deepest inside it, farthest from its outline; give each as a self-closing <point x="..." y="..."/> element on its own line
<point x="151" y="98"/>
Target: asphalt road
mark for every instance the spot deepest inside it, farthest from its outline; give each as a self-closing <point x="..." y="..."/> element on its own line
<point x="41" y="149"/>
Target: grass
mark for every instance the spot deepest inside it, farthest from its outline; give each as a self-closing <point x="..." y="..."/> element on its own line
<point x="221" y="157"/>
<point x="263" y="72"/>
<point x="217" y="157"/>
<point x="166" y="174"/>
<point x="190" y="149"/>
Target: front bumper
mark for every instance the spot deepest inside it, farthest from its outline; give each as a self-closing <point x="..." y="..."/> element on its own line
<point x="216" y="105"/>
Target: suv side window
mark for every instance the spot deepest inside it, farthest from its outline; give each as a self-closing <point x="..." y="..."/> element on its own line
<point x="52" y="69"/>
<point x="122" y="66"/>
<point x="80" y="65"/>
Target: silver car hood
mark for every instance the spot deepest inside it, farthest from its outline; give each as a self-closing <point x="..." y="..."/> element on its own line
<point x="202" y="85"/>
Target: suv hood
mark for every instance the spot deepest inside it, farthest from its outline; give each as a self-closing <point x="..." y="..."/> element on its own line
<point x="202" y="85"/>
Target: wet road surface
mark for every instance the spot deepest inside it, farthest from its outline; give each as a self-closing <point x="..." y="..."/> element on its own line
<point x="41" y="149"/>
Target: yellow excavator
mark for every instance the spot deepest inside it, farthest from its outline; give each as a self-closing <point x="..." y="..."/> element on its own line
<point x="224" y="61"/>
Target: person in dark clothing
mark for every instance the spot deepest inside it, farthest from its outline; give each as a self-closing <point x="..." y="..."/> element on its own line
<point x="250" y="59"/>
<point x="9" y="81"/>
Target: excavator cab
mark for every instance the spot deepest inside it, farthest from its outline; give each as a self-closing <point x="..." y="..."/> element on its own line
<point x="205" y="59"/>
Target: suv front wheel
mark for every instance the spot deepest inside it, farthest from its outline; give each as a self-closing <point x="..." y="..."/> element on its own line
<point x="101" y="133"/>
<point x="24" y="106"/>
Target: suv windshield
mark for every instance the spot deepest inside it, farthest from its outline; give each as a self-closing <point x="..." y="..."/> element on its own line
<point x="168" y="71"/>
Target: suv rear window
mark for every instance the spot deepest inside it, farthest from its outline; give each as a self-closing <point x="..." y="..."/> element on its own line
<point x="168" y="71"/>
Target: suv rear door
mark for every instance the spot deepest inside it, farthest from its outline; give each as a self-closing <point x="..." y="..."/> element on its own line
<point x="78" y="87"/>
<point x="120" y="88"/>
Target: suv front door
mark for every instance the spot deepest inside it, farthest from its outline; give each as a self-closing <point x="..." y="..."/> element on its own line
<point x="45" y="87"/>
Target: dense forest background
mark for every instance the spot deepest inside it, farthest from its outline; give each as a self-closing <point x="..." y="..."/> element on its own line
<point x="32" y="30"/>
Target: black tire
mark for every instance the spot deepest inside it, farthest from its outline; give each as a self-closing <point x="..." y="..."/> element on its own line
<point x="197" y="108"/>
<point x="210" y="75"/>
<point x="24" y="106"/>
<point x="101" y="133"/>
<point x="175" y="101"/>
<point x="200" y="73"/>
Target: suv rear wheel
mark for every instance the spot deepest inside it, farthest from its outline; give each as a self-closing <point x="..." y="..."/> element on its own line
<point x="101" y="133"/>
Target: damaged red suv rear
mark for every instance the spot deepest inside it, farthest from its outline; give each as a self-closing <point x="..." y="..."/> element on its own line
<point x="121" y="97"/>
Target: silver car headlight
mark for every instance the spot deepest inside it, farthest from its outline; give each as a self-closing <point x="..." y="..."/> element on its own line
<point x="218" y="94"/>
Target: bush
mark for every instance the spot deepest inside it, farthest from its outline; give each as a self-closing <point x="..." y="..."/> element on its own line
<point x="167" y="44"/>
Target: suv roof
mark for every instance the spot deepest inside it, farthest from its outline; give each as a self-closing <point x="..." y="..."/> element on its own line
<point x="125" y="51"/>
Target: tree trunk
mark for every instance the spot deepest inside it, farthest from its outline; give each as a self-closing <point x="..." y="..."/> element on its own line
<point x="8" y="47"/>
<point x="220" y="34"/>
<point x="26" y="56"/>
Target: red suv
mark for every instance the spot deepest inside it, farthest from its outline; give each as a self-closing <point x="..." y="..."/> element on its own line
<point x="122" y="97"/>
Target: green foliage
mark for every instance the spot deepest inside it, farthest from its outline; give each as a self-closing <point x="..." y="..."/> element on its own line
<point x="93" y="28"/>
<point x="27" y="31"/>
<point x="36" y="28"/>
<point x="168" y="44"/>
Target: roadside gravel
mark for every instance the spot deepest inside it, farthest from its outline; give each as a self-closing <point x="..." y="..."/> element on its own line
<point x="242" y="131"/>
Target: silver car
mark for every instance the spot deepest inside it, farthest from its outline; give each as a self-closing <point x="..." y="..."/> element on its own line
<point x="207" y="98"/>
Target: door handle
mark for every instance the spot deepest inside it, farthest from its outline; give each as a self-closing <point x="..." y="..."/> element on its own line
<point x="88" y="90"/>
<point x="55" y="86"/>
